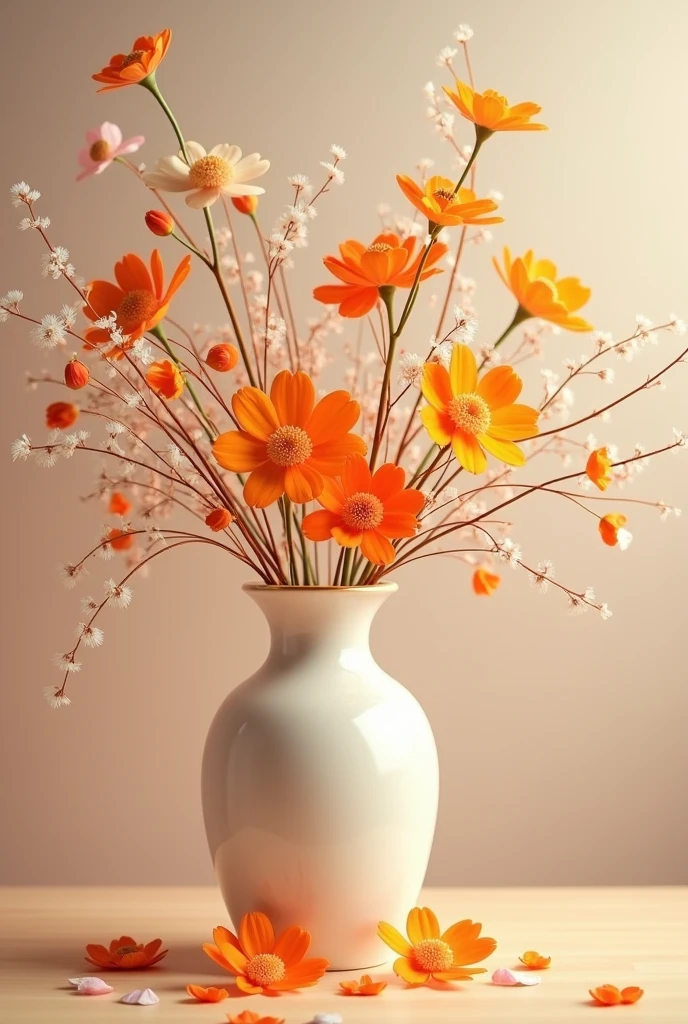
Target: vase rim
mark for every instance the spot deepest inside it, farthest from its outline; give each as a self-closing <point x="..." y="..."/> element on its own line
<point x="389" y="588"/>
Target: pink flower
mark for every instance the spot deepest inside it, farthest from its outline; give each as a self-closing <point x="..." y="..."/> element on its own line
<point x="104" y="144"/>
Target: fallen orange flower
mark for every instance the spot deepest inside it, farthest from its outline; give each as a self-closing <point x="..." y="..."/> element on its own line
<point x="132" y="68"/>
<point x="126" y="954"/>
<point x="428" y="954"/>
<point x="597" y="468"/>
<point x="261" y="962"/>
<point x="249" y="1017"/>
<point x="610" y="995"/>
<point x="485" y="582"/>
<point x="536" y="961"/>
<point x="365" y="987"/>
<point x="207" y="995"/>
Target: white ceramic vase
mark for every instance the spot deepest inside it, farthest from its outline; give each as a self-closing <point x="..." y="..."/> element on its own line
<point x="320" y="779"/>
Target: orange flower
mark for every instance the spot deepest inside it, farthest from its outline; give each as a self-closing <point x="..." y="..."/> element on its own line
<point x="207" y="995"/>
<point x="490" y="111"/>
<point x="159" y="223"/>
<point x="287" y="443"/>
<point x="139" y="298"/>
<point x="387" y="262"/>
<point x="597" y="468"/>
<point x="437" y="201"/>
<point x="166" y="379"/>
<point x="61" y="415"/>
<point x="610" y="995"/>
<point x="536" y="961"/>
<point x="429" y="954"/>
<point x="365" y="987"/>
<point x="245" y="204"/>
<point x="119" y="505"/>
<point x="222" y="357"/>
<point x="120" y="540"/>
<point x="126" y="954"/>
<point x="485" y="582"/>
<point x="249" y="1017"/>
<point x="612" y="530"/>
<point x="365" y="510"/>
<point x="262" y="963"/>
<point x="219" y="519"/>
<point x="132" y="68"/>
<point x="534" y="285"/>
<point x="473" y="415"/>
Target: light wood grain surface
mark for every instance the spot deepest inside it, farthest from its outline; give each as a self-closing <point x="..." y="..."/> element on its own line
<point x="595" y="936"/>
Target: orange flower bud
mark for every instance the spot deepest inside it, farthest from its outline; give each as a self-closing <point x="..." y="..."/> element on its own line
<point x="597" y="468"/>
<point x="245" y="204"/>
<point x="219" y="519"/>
<point x="166" y="379"/>
<point x="60" y="415"/>
<point x="76" y="375"/>
<point x="120" y="540"/>
<point x="159" y="222"/>
<point x="485" y="582"/>
<point x="222" y="357"/>
<point x="119" y="505"/>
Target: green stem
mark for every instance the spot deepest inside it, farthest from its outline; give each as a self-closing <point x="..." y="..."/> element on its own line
<point x="152" y="86"/>
<point x="338" y="569"/>
<point x="520" y="315"/>
<point x="346" y="569"/>
<point x="387" y="296"/>
<point x="162" y="338"/>
<point x="308" y="577"/>
<point x="287" y="514"/>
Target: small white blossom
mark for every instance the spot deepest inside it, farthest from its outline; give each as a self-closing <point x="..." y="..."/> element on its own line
<point x="91" y="636"/>
<point x="70" y="573"/>
<point x="337" y="152"/>
<point x="411" y="368"/>
<point x="12" y="297"/>
<point x="132" y="399"/>
<point x="279" y="247"/>
<point x="118" y="594"/>
<point x="4" y="315"/>
<point x="676" y="325"/>
<point x="577" y="605"/>
<point x="54" y="698"/>
<point x="606" y="612"/>
<point x="299" y="181"/>
<point x="66" y="663"/>
<point x="23" y="193"/>
<point x="495" y="195"/>
<point x="541" y="577"/>
<point x="49" y="333"/>
<point x="445" y="57"/>
<point x="607" y="375"/>
<point x="21" y="448"/>
<point x="106" y="323"/>
<point x="334" y="173"/>
<point x="680" y="439"/>
<point x="449" y="494"/>
<point x="509" y="552"/>
<point x="88" y="604"/>
<point x="465" y="326"/>
<point x="47" y="457"/>
<point x="68" y="315"/>
<point x="142" y="352"/>
<point x="463" y="33"/>
<point x="56" y="263"/>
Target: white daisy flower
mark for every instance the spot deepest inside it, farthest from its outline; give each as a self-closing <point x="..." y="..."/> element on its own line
<point x="222" y="171"/>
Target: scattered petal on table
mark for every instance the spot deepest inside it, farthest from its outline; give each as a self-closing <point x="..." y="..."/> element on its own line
<point x="610" y="995"/>
<point x="90" y="986"/>
<point x="249" y="1017"/>
<point x="327" y="1018"/>
<point x="365" y="987"/>
<point x="631" y="994"/>
<point x="140" y="997"/>
<point x="535" y="961"/>
<point x="207" y="995"/>
<point x="503" y="976"/>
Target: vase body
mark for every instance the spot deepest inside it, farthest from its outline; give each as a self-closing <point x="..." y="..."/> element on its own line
<point x="320" y="779"/>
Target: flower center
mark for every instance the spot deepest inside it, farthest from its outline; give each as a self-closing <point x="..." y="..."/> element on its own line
<point x="470" y="413"/>
<point x="123" y="950"/>
<point x="433" y="955"/>
<point x="362" y="511"/>
<point x="379" y="247"/>
<point x="136" y="307"/>
<point x="443" y="193"/>
<point x="289" y="446"/>
<point x="210" y="172"/>
<point x="132" y="58"/>
<point x="265" y="969"/>
<point x="100" y="150"/>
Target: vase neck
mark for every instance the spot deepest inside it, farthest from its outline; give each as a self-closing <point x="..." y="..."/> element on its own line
<point x="322" y="620"/>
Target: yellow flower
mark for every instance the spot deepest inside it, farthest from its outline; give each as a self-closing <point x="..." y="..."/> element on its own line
<point x="485" y="582"/>
<point x="492" y="112"/>
<point x="473" y="415"/>
<point x="428" y="954"/>
<point x="535" y="286"/>
<point x="441" y="205"/>
<point x="612" y="530"/>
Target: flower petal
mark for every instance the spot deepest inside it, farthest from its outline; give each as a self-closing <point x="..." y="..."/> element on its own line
<point x="499" y="387"/>
<point x="302" y="483"/>
<point x="356" y="475"/>
<point x="404" y="969"/>
<point x="239" y="451"/>
<point x="388" y="480"/>
<point x="264" y="486"/>
<point x="318" y="526"/>
<point x="436" y="386"/>
<point x="469" y="453"/>
<point x="463" y="371"/>
<point x="507" y="451"/>
<point x="302" y="974"/>
<point x="256" y="934"/>
<point x="438" y="425"/>
<point x="255" y="412"/>
<point x="376" y="548"/>
<point x="292" y="945"/>
<point x="293" y="397"/>
<point x="421" y="923"/>
<point x="514" y="423"/>
<point x="245" y="986"/>
<point x="335" y="414"/>
<point x="394" y="939"/>
<point x="132" y="274"/>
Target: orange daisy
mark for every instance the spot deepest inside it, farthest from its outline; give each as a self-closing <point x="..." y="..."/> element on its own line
<point x="598" y="468"/>
<point x="249" y="1017"/>
<point x="365" y="987"/>
<point x="125" y="954"/>
<point x="535" y="961"/>
<point x="132" y="68"/>
<point x="166" y="379"/>
<point x="287" y="443"/>
<point x="139" y="298"/>
<point x="207" y="995"/>
<point x="366" y="510"/>
<point x="436" y="199"/>
<point x="491" y="111"/>
<point x="534" y="285"/>
<point x="262" y="963"/>
<point x="473" y="415"/>
<point x="485" y="582"/>
<point x="610" y="995"/>
<point x="427" y="953"/>
<point x="386" y="263"/>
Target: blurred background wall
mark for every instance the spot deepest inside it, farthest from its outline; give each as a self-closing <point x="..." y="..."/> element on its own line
<point x="562" y="739"/>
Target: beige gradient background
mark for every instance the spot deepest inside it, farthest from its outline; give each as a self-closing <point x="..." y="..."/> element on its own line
<point x="562" y="740"/>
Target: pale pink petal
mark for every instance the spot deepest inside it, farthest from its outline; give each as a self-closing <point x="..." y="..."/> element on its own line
<point x="140" y="997"/>
<point x="202" y="197"/>
<point x="130" y="146"/>
<point x="503" y="976"/>
<point x="93" y="135"/>
<point x="84" y="157"/>
<point x="111" y="133"/>
<point x="91" y="986"/>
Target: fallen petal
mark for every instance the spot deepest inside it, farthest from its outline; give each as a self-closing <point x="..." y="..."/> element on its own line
<point x="140" y="997"/>
<point x="327" y="1018"/>
<point x="90" y="986"/>
<point x="503" y="976"/>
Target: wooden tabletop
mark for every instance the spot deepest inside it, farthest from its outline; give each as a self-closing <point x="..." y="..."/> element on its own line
<point x="594" y="936"/>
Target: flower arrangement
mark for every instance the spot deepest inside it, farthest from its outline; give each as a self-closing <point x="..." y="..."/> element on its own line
<point x="416" y="457"/>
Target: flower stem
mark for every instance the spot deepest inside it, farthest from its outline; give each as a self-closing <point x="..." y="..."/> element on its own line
<point x="287" y="513"/>
<point x="162" y="338"/>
